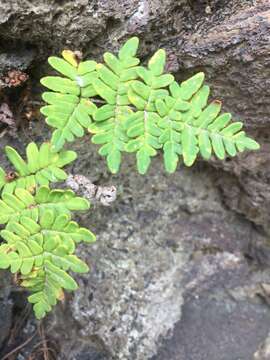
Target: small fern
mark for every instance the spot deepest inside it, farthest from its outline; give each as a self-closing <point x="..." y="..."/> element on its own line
<point x="39" y="236"/>
<point x="145" y="110"/>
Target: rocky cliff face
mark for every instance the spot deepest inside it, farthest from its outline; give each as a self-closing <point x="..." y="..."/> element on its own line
<point x="180" y="269"/>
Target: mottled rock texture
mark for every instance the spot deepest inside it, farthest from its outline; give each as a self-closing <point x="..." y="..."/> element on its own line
<point x="180" y="270"/>
<point x="5" y="308"/>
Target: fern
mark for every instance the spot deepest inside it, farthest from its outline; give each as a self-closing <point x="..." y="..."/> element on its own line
<point x="42" y="167"/>
<point x="170" y="110"/>
<point x="142" y="110"/>
<point x="41" y="249"/>
<point x="145" y="110"/>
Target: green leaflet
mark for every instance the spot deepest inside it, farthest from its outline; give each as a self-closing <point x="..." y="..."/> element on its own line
<point x="170" y="110"/>
<point x="69" y="110"/>
<point x="142" y="126"/>
<point x="41" y="249"/>
<point x="209" y="133"/>
<point x="190" y="126"/>
<point x="42" y="167"/>
<point x="112" y="86"/>
<point x="23" y="203"/>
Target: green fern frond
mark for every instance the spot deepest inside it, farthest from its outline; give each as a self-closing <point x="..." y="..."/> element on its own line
<point x="69" y="109"/>
<point x="145" y="110"/>
<point x="203" y="130"/>
<point x="41" y="167"/>
<point x="23" y="203"/>
<point x="112" y="85"/>
<point x="142" y="126"/>
<point x="171" y="109"/>
<point x="42" y="250"/>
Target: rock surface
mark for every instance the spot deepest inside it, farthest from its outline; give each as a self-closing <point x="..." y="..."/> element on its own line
<point x="180" y="268"/>
<point x="5" y="308"/>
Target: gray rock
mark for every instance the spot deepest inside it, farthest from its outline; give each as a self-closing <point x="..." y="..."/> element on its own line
<point x="223" y="317"/>
<point x="165" y="238"/>
<point x="5" y="307"/>
<point x="263" y="353"/>
<point x="177" y="256"/>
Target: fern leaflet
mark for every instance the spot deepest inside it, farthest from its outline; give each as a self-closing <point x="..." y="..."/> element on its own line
<point x="69" y="109"/>
<point x="23" y="203"/>
<point x="112" y="86"/>
<point x="142" y="125"/>
<point x="42" y="167"/>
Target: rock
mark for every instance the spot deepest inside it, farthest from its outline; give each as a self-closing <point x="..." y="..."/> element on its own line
<point x="91" y="353"/>
<point x="180" y="259"/>
<point x="56" y="25"/>
<point x="263" y="353"/>
<point x="5" y="308"/>
<point x="165" y="238"/>
<point x="223" y="316"/>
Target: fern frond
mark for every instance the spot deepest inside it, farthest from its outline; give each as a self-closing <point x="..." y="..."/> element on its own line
<point x="170" y="111"/>
<point x="44" y="246"/>
<point x="23" y="203"/>
<point x="112" y="85"/>
<point x="145" y="110"/>
<point x="69" y="109"/>
<point x="202" y="129"/>
<point x="41" y="167"/>
<point x="142" y="126"/>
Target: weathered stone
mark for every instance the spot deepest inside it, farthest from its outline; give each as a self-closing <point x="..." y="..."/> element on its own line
<point x="5" y="307"/>
<point x="172" y="258"/>
<point x="224" y="316"/>
<point x="263" y="353"/>
<point x="165" y="238"/>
